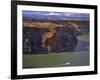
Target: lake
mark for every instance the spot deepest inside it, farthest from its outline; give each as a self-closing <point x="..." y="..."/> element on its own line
<point x="77" y="57"/>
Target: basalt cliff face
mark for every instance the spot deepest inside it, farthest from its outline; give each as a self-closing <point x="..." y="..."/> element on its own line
<point x="44" y="40"/>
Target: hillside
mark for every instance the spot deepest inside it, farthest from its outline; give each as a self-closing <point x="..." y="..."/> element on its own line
<point x="45" y="37"/>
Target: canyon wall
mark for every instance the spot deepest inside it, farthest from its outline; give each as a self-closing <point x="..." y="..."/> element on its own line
<point x="44" y="40"/>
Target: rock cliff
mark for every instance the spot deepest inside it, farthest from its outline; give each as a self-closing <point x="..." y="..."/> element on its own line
<point x="44" y="40"/>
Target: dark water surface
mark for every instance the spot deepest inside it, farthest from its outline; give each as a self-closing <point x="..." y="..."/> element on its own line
<point x="83" y="43"/>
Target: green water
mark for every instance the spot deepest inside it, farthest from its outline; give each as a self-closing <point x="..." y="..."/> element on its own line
<point x="77" y="57"/>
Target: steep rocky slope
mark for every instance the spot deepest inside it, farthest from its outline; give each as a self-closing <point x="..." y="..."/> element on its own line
<point x="53" y="38"/>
